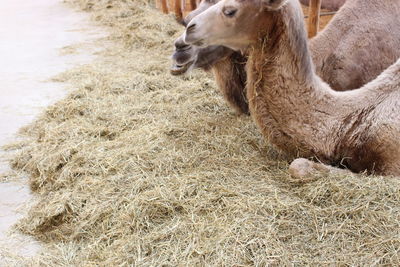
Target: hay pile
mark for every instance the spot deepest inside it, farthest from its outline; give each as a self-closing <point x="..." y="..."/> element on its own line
<point x="137" y="167"/>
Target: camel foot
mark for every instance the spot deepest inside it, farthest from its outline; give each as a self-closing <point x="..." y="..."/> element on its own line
<point x="306" y="170"/>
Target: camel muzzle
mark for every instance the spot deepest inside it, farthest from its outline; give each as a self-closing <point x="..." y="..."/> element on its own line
<point x="190" y="36"/>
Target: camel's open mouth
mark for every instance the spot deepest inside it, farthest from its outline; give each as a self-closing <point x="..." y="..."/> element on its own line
<point x="177" y="69"/>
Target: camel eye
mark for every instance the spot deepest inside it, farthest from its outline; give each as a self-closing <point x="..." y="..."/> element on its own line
<point x="230" y="12"/>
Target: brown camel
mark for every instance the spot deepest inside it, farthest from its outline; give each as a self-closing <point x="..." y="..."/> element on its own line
<point x="295" y="109"/>
<point x="360" y="42"/>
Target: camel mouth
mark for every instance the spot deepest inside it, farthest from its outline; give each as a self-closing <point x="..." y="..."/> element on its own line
<point x="178" y="69"/>
<point x="183" y="49"/>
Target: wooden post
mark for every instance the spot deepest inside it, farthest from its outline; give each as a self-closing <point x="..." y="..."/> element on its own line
<point x="164" y="6"/>
<point x="193" y="4"/>
<point x="178" y="9"/>
<point x="170" y="4"/>
<point x="187" y="8"/>
<point x="313" y="17"/>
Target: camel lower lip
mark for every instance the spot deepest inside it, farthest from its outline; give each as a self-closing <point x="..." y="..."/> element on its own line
<point x="177" y="69"/>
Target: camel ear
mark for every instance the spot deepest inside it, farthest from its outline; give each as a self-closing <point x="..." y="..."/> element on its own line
<point x="274" y="4"/>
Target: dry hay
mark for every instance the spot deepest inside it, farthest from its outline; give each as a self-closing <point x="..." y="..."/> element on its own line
<point x="137" y="167"/>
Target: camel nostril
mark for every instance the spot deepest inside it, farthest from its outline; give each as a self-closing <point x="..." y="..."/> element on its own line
<point x="191" y="28"/>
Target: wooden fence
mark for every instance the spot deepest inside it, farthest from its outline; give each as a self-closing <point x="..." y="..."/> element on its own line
<point x="179" y="7"/>
<point x="182" y="7"/>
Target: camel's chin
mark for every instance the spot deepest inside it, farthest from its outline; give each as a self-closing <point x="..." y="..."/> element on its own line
<point x="177" y="69"/>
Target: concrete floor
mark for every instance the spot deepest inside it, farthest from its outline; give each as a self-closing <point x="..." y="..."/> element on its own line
<point x="32" y="34"/>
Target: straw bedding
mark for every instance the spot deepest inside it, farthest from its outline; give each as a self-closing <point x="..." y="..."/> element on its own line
<point x="136" y="167"/>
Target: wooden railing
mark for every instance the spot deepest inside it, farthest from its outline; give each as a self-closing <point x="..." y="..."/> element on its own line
<point x="179" y="7"/>
<point x="182" y="7"/>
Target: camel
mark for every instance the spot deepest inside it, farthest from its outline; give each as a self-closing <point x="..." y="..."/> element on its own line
<point x="359" y="43"/>
<point x="298" y="112"/>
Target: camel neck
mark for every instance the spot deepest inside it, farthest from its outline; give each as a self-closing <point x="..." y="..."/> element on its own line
<point x="289" y="102"/>
<point x="282" y="52"/>
<point x="280" y="63"/>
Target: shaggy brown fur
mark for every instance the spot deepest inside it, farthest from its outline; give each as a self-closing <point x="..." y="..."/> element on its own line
<point x="294" y="108"/>
<point x="343" y="52"/>
<point x="230" y="75"/>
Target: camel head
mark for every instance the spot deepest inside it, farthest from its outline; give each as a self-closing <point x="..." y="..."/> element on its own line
<point x="232" y="23"/>
<point x="184" y="57"/>
<point x="187" y="57"/>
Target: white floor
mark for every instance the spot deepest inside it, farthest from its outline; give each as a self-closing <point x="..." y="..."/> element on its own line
<point x="32" y="34"/>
